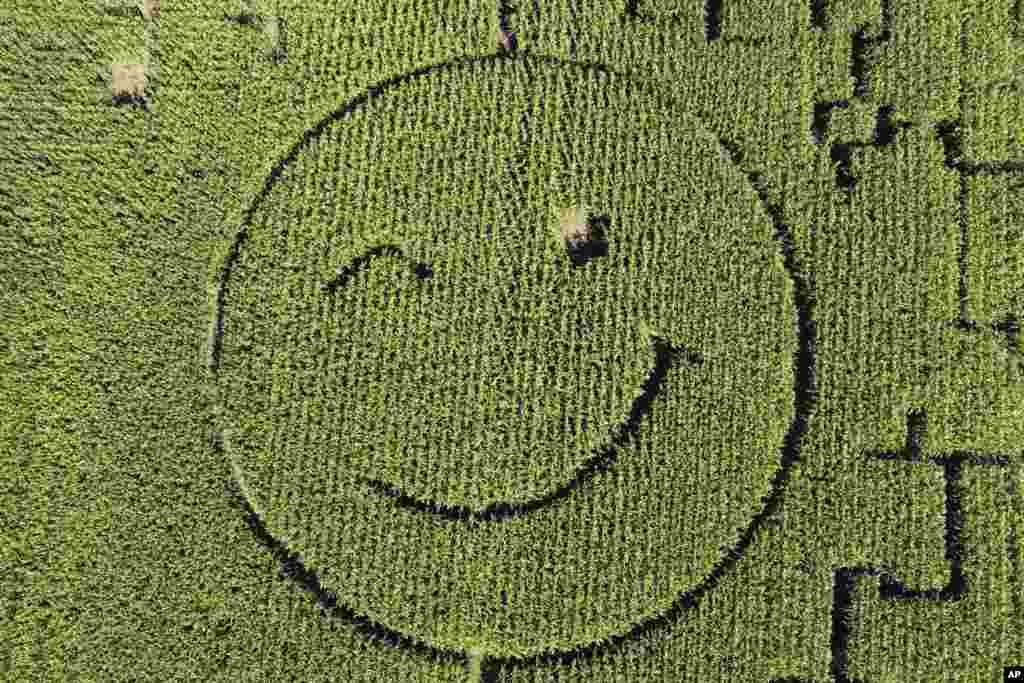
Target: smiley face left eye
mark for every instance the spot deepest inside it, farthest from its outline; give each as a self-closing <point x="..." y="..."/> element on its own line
<point x="422" y="271"/>
<point x="369" y="259"/>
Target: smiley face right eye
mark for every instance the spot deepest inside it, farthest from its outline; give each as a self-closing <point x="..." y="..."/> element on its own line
<point x="584" y="234"/>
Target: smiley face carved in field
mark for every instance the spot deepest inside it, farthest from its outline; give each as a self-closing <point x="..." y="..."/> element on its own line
<point x="402" y="322"/>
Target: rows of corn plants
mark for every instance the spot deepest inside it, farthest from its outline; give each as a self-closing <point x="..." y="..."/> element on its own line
<point x="615" y="351"/>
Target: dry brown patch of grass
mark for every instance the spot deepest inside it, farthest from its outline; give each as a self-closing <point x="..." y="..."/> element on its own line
<point x="275" y="36"/>
<point x="506" y="40"/>
<point x="128" y="80"/>
<point x="573" y="224"/>
<point x="150" y="8"/>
